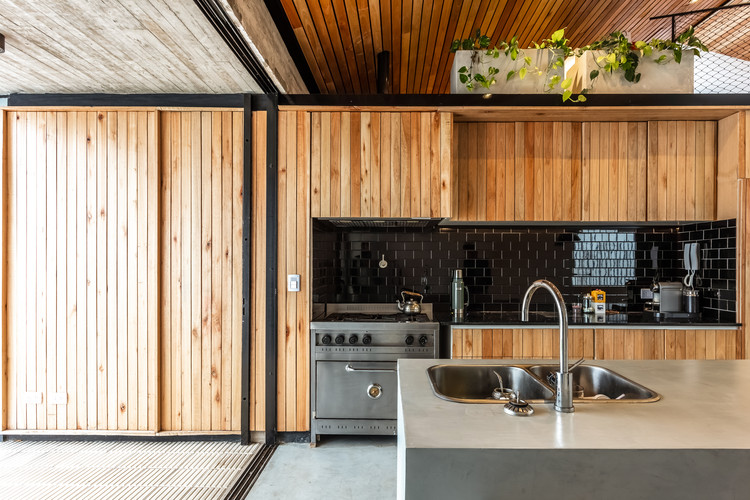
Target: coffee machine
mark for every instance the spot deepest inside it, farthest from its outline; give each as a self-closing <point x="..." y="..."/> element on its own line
<point x="459" y="296"/>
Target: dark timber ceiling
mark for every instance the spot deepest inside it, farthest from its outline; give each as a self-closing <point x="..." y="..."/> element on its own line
<point x="340" y="39"/>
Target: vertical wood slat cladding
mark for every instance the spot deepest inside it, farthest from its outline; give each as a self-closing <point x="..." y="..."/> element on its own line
<point x="69" y="217"/>
<point x="201" y="206"/>
<point x="743" y="262"/>
<point x="593" y="171"/>
<point x="294" y="198"/>
<point x="682" y="170"/>
<point x="3" y="274"/>
<point x="258" y="276"/>
<point x="372" y="164"/>
<point x="614" y="171"/>
<point x="517" y="171"/>
<point x="111" y="302"/>
<point x="516" y="343"/>
<point x="668" y="344"/>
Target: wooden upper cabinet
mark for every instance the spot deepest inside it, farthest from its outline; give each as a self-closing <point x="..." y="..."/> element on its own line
<point x="614" y="159"/>
<point x="381" y="164"/>
<point x="517" y="171"/>
<point x="682" y="168"/>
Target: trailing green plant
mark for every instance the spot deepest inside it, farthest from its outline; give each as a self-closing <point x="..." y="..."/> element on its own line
<point x="557" y="44"/>
<point x="623" y="55"/>
<point x="481" y="44"/>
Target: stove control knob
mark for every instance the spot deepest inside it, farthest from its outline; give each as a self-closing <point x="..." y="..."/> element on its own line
<point x="409" y="340"/>
<point x="326" y="339"/>
<point x="352" y="339"/>
<point x="339" y="339"/>
<point x="366" y="340"/>
<point x="423" y="340"/>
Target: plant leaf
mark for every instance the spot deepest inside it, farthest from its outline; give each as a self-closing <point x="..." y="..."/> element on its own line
<point x="593" y="74"/>
<point x="677" y="55"/>
<point x="522" y="73"/>
<point x="581" y="98"/>
<point x="527" y="60"/>
<point x="509" y="75"/>
<point x="566" y="95"/>
<point x="455" y="45"/>
<point x="463" y="69"/>
<point x="463" y="78"/>
<point x="558" y="35"/>
<point x="566" y="83"/>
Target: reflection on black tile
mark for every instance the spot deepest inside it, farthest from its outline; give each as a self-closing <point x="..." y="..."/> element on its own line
<point x="500" y="263"/>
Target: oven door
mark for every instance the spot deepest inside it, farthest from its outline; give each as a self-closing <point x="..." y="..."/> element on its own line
<point x="355" y="389"/>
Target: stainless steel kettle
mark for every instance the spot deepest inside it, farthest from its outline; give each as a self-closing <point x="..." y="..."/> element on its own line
<point x="411" y="305"/>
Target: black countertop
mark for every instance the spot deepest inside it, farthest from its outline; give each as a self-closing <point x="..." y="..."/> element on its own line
<point x="631" y="319"/>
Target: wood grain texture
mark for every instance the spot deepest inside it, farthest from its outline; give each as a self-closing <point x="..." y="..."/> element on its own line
<point x="293" y="410"/>
<point x="67" y="47"/>
<point x="377" y="164"/>
<point x="536" y="343"/>
<point x="339" y="39"/>
<point x="515" y="171"/>
<point x="743" y="264"/>
<point x="682" y="165"/>
<point x="4" y="213"/>
<point x="118" y="298"/>
<point x="730" y="145"/>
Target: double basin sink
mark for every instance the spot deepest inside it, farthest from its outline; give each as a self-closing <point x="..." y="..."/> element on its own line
<point x="475" y="384"/>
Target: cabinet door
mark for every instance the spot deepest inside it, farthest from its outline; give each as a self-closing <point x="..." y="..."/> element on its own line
<point x="682" y="166"/>
<point x="629" y="344"/>
<point x="702" y="344"/>
<point x="372" y="164"/>
<point x="519" y="343"/>
<point x="524" y="171"/>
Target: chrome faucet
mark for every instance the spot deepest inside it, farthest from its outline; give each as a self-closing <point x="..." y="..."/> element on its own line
<point x="564" y="387"/>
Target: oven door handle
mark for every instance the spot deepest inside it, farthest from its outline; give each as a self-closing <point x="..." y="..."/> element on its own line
<point x="350" y="369"/>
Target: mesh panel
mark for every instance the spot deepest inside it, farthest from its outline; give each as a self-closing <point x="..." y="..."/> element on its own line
<point x="726" y="33"/>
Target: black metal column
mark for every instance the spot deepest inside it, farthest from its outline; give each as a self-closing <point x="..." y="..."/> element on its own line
<point x="270" y="104"/>
<point x="247" y="228"/>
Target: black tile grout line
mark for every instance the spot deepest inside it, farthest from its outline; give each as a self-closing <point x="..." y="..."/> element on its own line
<point x="496" y="260"/>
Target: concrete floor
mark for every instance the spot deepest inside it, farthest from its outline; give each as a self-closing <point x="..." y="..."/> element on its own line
<point x="340" y="467"/>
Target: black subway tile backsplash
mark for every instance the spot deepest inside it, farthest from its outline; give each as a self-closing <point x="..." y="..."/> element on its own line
<point x="500" y="263"/>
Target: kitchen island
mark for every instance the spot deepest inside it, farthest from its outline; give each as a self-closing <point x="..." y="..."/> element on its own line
<point x="693" y="443"/>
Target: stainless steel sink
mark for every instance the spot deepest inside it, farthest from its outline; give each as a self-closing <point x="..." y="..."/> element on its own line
<point x="601" y="384"/>
<point x="475" y="383"/>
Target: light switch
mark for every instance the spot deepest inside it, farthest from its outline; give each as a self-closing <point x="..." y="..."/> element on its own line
<point x="292" y="283"/>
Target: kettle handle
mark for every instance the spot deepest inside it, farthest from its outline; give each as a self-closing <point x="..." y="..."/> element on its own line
<point x="412" y="294"/>
<point x="466" y="289"/>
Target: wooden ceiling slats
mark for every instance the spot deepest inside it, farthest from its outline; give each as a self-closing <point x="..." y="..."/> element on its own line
<point x="439" y="46"/>
<point x="341" y="38"/>
<point x="445" y="57"/>
<point x="424" y="44"/>
<point x="367" y="42"/>
<point x="416" y="17"/>
<point x="345" y="34"/>
<point x="395" y="45"/>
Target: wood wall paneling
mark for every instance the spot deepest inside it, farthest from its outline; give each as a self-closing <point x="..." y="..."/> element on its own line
<point x="258" y="276"/>
<point x="3" y="273"/>
<point x="743" y="263"/>
<point x="380" y="164"/>
<point x="294" y="197"/>
<point x="70" y="310"/>
<point x="201" y="210"/>
<point x="123" y="308"/>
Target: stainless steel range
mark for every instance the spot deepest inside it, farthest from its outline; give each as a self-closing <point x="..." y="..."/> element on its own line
<point x="354" y="349"/>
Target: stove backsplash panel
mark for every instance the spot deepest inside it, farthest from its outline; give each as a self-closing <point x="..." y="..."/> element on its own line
<point x="500" y="263"/>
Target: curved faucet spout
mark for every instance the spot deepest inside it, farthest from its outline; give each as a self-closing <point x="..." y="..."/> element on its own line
<point x="564" y="390"/>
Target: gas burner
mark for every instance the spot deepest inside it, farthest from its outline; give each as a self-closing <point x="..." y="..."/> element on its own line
<point x="378" y="318"/>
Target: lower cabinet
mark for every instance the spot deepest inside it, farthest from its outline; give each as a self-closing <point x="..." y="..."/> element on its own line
<point x="599" y="343"/>
<point x="519" y="343"/>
